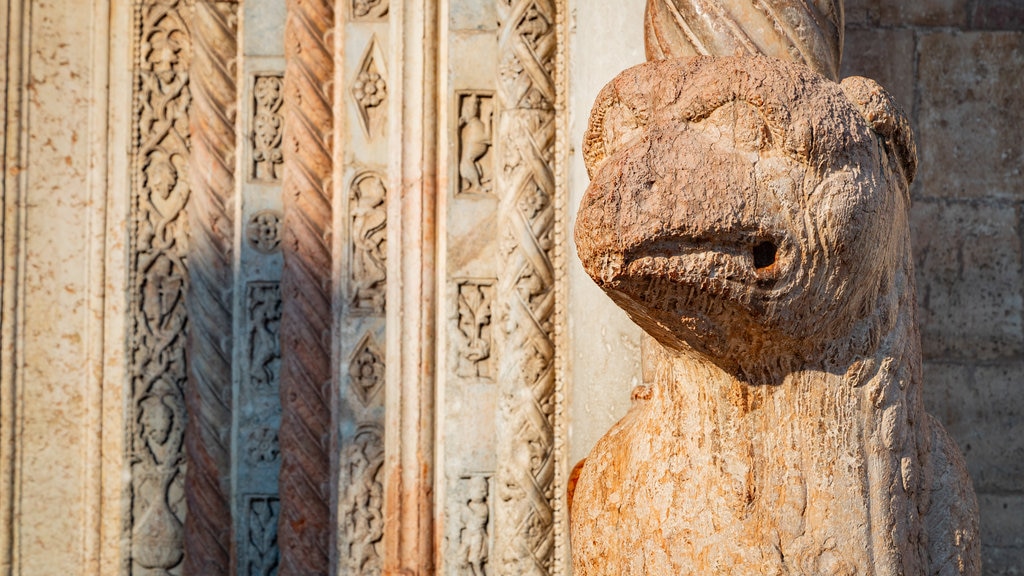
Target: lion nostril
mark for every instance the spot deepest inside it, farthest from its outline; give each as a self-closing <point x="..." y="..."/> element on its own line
<point x="764" y="255"/>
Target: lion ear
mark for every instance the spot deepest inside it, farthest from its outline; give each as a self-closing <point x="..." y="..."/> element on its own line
<point x="617" y="119"/>
<point x="886" y="118"/>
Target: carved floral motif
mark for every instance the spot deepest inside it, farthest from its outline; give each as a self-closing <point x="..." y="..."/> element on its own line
<point x="263" y="232"/>
<point x="366" y="370"/>
<point x="261" y="556"/>
<point x="267" y="131"/>
<point x="475" y="299"/>
<point x="369" y="9"/>
<point x="370" y="91"/>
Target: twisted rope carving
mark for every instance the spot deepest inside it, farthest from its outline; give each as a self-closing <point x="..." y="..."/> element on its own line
<point x="303" y="533"/>
<point x="208" y="534"/>
<point x="806" y="31"/>
<point x="524" y="510"/>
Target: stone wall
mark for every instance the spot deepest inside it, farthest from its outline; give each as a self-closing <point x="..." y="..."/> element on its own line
<point x="956" y="65"/>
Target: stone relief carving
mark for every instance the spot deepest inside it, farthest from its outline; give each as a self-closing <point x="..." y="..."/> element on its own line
<point x="261" y="556"/>
<point x="368" y="229"/>
<point x="157" y="266"/>
<point x="474" y="520"/>
<point x="307" y="289"/>
<point x="475" y="299"/>
<point x="476" y="123"/>
<point x="267" y="127"/>
<point x="362" y="505"/>
<point x="263" y="232"/>
<point x="366" y="370"/>
<point x="370" y="10"/>
<point x="775" y="275"/>
<point x="809" y="32"/>
<point x="370" y="91"/>
<point x="263" y="446"/>
<point x="526" y="534"/>
<point x="264" y="349"/>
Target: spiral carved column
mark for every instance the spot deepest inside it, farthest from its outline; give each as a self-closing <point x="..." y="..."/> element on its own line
<point x="809" y="32"/>
<point x="208" y="525"/>
<point x="525" y="145"/>
<point x="305" y="522"/>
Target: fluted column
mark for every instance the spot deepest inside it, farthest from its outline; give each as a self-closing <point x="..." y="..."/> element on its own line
<point x="208" y="397"/>
<point x="305" y="523"/>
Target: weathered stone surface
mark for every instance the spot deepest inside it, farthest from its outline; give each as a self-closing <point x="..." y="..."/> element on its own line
<point x="968" y="265"/>
<point x="860" y="13"/>
<point x="923" y="12"/>
<point x="973" y="404"/>
<point x="971" y="90"/>
<point x="998" y="15"/>
<point x="753" y="218"/>
<point x="1000" y="532"/>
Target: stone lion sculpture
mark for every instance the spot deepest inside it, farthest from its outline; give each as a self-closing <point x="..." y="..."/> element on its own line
<point x="752" y="217"/>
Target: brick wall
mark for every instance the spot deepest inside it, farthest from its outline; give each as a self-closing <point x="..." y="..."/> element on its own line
<point x="958" y="67"/>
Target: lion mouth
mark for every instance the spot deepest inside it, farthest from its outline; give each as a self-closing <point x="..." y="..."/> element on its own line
<point x="751" y="261"/>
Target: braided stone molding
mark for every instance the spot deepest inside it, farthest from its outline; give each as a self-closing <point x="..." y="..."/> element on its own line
<point x="809" y="32"/>
<point x="208" y="396"/>
<point x="158" y="282"/>
<point x="305" y="522"/>
<point x="525" y="479"/>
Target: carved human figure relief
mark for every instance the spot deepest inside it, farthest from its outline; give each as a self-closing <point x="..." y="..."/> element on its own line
<point x="264" y="345"/>
<point x="475" y="324"/>
<point x="368" y="219"/>
<point x="267" y="124"/>
<point x="476" y="165"/>
<point x="474" y="517"/>
<point x="362" y="503"/>
<point x="751" y="216"/>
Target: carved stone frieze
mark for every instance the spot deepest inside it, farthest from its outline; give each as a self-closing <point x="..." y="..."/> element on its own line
<point x="475" y="348"/>
<point x="267" y="128"/>
<point x="158" y="282"/>
<point x="368" y="248"/>
<point x="260" y="556"/>
<point x="475" y="131"/>
<point x="525" y="508"/>
<point x="362" y="512"/>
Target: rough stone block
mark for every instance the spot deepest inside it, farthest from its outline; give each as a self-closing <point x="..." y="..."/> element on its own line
<point x="971" y="96"/>
<point x="998" y="15"/>
<point x="1002" y="534"/>
<point x="982" y="408"/>
<point x="885" y="56"/>
<point x="968" y="264"/>
<point x="861" y="13"/>
<point x="923" y="13"/>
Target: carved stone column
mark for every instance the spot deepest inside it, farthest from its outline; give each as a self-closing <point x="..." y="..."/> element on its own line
<point x="525" y="181"/>
<point x="306" y="290"/>
<point x="808" y="32"/>
<point x="208" y="394"/>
